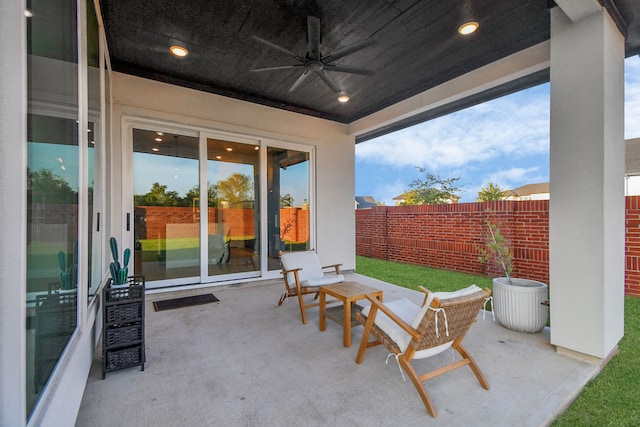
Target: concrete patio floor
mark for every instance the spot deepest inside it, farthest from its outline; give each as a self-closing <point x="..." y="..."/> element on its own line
<point x="244" y="361"/>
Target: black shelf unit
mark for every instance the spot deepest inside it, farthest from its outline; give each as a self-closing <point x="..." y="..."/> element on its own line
<point x="123" y="325"/>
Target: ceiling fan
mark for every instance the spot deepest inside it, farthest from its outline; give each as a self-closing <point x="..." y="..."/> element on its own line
<point x="316" y="63"/>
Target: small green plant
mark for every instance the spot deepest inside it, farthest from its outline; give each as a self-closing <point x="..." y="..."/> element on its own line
<point x="497" y="249"/>
<point x="68" y="274"/>
<point x="119" y="272"/>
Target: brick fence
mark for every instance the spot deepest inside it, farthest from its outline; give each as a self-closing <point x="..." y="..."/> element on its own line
<point x="151" y="222"/>
<point x="451" y="236"/>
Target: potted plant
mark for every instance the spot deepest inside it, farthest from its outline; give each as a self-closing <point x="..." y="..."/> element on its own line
<point x="119" y="272"/>
<point x="518" y="304"/>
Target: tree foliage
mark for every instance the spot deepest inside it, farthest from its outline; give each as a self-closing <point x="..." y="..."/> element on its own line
<point x="430" y="190"/>
<point x="46" y="187"/>
<point x="490" y="193"/>
<point x="236" y="189"/>
<point x="286" y="201"/>
<point x="192" y="198"/>
<point x="159" y="196"/>
<point x="497" y="249"/>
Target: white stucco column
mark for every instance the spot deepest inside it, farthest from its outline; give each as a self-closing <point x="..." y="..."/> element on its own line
<point x="13" y="178"/>
<point x="586" y="215"/>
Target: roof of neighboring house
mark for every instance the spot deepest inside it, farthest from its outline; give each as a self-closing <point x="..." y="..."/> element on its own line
<point x="529" y="189"/>
<point x="402" y="197"/>
<point x="632" y="156"/>
<point x="364" y="202"/>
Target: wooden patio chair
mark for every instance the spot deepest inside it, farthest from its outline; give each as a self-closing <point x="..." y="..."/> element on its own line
<point x="303" y="274"/>
<point x="411" y="332"/>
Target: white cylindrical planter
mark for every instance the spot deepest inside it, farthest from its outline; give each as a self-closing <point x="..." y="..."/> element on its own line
<point x="519" y="306"/>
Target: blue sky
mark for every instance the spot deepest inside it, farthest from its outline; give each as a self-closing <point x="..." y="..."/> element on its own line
<point x="505" y="141"/>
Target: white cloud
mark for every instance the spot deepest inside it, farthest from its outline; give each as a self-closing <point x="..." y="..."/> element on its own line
<point x="515" y="125"/>
<point x="632" y="98"/>
<point x="505" y="141"/>
<point x="386" y="192"/>
<point x="510" y="178"/>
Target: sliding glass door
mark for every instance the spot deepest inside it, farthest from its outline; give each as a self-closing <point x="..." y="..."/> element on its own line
<point x="233" y="208"/>
<point x="165" y="198"/>
<point x="288" y="205"/>
<point x="211" y="207"/>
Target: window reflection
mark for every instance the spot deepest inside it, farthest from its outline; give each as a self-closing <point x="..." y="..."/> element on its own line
<point x="52" y="188"/>
<point x="52" y="244"/>
<point x="288" y="183"/>
<point x="166" y="217"/>
<point x="233" y="207"/>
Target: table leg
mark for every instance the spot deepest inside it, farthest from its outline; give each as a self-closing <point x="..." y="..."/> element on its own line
<point x="347" y="324"/>
<point x="323" y="305"/>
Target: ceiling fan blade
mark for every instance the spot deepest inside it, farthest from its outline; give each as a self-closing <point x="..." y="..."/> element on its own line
<point x="328" y="80"/>
<point x="282" y="67"/>
<point x="333" y="56"/>
<point x="280" y="48"/>
<point x="305" y="74"/>
<point x="313" y="38"/>
<point x="348" y="69"/>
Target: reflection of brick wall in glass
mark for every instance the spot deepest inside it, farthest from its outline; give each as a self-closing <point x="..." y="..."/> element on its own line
<point x="294" y="222"/>
<point x="294" y="225"/>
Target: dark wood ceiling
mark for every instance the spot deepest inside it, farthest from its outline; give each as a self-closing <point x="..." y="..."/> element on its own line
<point x="416" y="45"/>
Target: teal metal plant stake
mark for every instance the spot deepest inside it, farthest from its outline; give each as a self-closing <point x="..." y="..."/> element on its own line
<point x="119" y="273"/>
<point x="68" y="275"/>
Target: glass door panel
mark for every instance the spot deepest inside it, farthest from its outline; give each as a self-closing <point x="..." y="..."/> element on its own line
<point x="166" y="212"/>
<point x="233" y="228"/>
<point x="94" y="151"/>
<point x="288" y="211"/>
<point x="53" y="186"/>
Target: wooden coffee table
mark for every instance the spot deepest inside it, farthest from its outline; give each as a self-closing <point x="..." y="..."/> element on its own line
<point x="348" y="293"/>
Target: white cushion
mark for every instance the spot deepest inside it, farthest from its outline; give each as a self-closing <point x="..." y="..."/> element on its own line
<point x="328" y="279"/>
<point x="415" y="322"/>
<point x="404" y="309"/>
<point x="311" y="273"/>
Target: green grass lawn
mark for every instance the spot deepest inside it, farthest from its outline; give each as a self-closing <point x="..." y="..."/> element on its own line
<point x="611" y="399"/>
<point x="412" y="276"/>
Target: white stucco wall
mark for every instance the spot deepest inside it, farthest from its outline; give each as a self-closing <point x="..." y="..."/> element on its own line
<point x="335" y="149"/>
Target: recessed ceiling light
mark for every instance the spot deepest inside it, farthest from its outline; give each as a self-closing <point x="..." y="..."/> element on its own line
<point x="28" y="13"/>
<point x="229" y="149"/>
<point x="256" y="148"/>
<point x="468" y="28"/>
<point x="159" y="133"/>
<point x="158" y="139"/>
<point x="218" y="157"/>
<point x="179" y="51"/>
<point x="155" y="149"/>
<point x="343" y="97"/>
